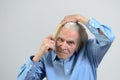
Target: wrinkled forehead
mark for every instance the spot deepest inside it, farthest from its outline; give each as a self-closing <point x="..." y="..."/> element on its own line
<point x="68" y="29"/>
<point x="68" y="34"/>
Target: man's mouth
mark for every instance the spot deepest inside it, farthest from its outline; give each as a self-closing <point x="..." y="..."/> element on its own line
<point x="62" y="51"/>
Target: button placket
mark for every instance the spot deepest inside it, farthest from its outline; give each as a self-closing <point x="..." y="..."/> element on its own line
<point x="66" y="68"/>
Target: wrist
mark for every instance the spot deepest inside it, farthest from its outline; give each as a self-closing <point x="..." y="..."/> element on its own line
<point x="83" y="20"/>
<point x="37" y="56"/>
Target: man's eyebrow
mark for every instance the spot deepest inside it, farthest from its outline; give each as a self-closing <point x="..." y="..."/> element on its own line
<point x="60" y="37"/>
<point x="68" y="40"/>
<point x="71" y="41"/>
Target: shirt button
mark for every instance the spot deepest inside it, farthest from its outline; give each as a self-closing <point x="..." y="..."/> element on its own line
<point x="67" y="70"/>
<point x="31" y="65"/>
<point x="93" y="24"/>
<point x="90" y="26"/>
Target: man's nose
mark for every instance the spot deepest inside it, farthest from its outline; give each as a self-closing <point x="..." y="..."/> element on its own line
<point x="64" y="45"/>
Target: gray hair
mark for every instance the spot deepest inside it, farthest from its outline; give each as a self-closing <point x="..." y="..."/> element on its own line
<point x="72" y="26"/>
<point x="82" y="32"/>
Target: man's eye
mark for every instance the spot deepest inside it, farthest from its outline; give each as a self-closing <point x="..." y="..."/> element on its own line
<point x="60" y="39"/>
<point x="70" y="42"/>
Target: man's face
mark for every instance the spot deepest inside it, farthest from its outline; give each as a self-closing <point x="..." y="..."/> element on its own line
<point x="66" y="43"/>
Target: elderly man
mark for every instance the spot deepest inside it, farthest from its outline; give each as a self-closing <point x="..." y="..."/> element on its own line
<point x="71" y="55"/>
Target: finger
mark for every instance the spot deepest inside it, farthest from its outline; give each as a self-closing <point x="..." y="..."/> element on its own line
<point x="52" y="41"/>
<point x="63" y="22"/>
<point x="50" y="37"/>
<point x="51" y="47"/>
<point x="66" y="20"/>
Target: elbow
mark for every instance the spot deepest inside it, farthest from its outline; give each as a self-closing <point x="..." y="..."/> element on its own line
<point x="112" y="38"/>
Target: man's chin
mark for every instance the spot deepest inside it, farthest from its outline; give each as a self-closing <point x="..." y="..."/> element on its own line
<point x="62" y="55"/>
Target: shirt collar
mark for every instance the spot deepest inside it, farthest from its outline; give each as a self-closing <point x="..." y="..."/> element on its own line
<point x="54" y="56"/>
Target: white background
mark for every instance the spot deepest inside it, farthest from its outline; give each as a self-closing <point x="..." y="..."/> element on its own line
<point x="25" y="23"/>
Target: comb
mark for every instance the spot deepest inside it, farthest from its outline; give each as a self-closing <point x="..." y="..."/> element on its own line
<point x="57" y="30"/>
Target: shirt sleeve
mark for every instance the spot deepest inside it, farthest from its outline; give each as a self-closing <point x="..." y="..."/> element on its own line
<point x="98" y="46"/>
<point x="31" y="70"/>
